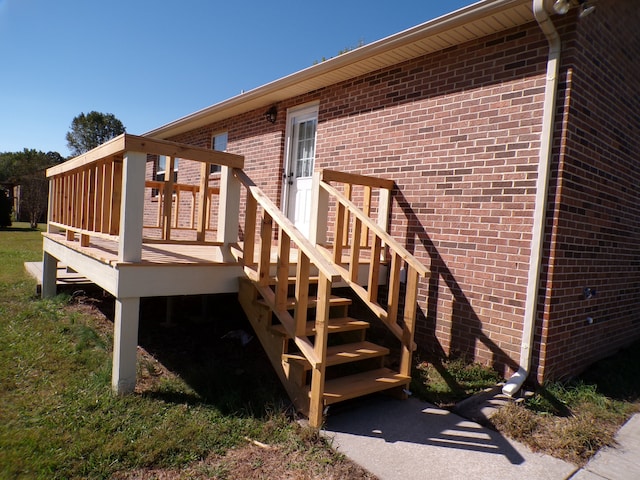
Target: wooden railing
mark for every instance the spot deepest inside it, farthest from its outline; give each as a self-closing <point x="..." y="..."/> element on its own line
<point x="87" y="200"/>
<point x="354" y="230"/>
<point x="170" y="201"/>
<point x="258" y="205"/>
<point x="101" y="193"/>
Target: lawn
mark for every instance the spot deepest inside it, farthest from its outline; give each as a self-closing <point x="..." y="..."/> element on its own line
<point x="207" y="407"/>
<point x="59" y="419"/>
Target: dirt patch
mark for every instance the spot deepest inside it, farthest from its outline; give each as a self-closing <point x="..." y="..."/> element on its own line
<point x="253" y="462"/>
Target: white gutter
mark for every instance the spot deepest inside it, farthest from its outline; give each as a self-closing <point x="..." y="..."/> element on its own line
<point x="544" y="168"/>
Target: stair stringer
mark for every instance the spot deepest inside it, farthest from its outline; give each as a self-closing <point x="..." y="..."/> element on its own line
<point x="275" y="345"/>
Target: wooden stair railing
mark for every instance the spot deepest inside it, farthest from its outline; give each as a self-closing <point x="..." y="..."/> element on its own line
<point x="295" y="325"/>
<point x="363" y="226"/>
<point x="276" y="289"/>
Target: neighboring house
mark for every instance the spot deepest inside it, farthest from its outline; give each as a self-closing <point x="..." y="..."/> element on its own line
<point x="527" y="212"/>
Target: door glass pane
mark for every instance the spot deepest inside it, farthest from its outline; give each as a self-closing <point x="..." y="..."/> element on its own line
<point x="305" y="150"/>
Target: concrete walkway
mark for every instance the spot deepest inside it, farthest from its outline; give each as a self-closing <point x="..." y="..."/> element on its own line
<point x="621" y="462"/>
<point x="413" y="440"/>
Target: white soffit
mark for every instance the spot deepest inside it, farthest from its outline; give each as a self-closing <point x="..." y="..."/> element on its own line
<point x="470" y="23"/>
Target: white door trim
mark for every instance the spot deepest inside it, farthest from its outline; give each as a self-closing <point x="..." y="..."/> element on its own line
<point x="294" y="115"/>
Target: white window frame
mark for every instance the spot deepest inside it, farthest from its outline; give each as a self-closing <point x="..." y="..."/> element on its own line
<point x="216" y="168"/>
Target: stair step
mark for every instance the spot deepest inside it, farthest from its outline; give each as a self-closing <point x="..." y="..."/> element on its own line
<point x="352" y="352"/>
<point x="360" y="384"/>
<point x="345" y="353"/>
<point x="336" y="325"/>
<point x="334" y="301"/>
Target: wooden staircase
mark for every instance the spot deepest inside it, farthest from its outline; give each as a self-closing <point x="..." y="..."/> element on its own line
<point x="319" y="352"/>
<point x="354" y="366"/>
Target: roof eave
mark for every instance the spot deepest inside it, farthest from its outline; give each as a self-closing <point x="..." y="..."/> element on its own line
<point x="311" y="78"/>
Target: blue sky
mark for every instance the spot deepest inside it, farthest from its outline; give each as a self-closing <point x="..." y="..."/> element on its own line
<point x="151" y="62"/>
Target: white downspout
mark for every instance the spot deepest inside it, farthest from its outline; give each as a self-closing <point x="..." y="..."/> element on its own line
<point x="544" y="168"/>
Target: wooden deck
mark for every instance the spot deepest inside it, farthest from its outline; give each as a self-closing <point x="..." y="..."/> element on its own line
<point x="166" y="269"/>
<point x="106" y="251"/>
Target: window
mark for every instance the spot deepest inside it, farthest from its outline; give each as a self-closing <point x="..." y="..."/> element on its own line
<point x="161" y="171"/>
<point x="218" y="143"/>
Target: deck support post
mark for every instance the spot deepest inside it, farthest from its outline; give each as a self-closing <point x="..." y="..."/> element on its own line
<point x="319" y="212"/>
<point x="131" y="207"/>
<point x="229" y="206"/>
<point x="125" y="343"/>
<point x="49" y="275"/>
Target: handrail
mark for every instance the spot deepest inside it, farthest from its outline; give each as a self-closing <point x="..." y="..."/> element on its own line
<point x="375" y="228"/>
<point x="356" y="179"/>
<point x="133" y="143"/>
<point x="363" y="226"/>
<point x="288" y="227"/>
<point x="295" y="325"/>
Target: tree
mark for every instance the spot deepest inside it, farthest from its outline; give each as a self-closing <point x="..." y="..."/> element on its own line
<point x="5" y="209"/>
<point x="27" y="169"/>
<point x="91" y="130"/>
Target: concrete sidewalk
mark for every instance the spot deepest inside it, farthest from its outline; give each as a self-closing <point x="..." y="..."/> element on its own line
<point x="621" y="462"/>
<point x="413" y="440"/>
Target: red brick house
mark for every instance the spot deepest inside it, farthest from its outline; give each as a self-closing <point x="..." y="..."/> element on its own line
<point x="512" y="136"/>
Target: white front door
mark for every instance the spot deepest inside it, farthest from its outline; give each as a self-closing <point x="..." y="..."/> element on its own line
<point x="302" y="126"/>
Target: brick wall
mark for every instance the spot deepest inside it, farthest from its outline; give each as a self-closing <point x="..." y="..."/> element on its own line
<point x="596" y="208"/>
<point x="459" y="133"/>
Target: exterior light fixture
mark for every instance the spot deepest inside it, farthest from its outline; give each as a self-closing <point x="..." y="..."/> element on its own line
<point x="586" y="7"/>
<point x="271" y="115"/>
<point x="561" y="6"/>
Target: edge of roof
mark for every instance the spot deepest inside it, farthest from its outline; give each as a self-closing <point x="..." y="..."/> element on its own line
<point x="266" y="94"/>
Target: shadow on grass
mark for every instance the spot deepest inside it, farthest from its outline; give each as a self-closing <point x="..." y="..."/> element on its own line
<point x="203" y="343"/>
<point x="200" y="341"/>
<point x="618" y="376"/>
<point x="19" y="229"/>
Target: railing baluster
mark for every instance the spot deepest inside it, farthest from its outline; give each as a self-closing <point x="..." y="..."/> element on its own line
<point x="282" y="274"/>
<point x="106" y="197"/>
<point x="374" y="270"/>
<point x="266" y="232"/>
<point x="116" y="197"/>
<point x="354" y="263"/>
<point x="393" y="298"/>
<point x="347" y="217"/>
<point x="167" y="199"/>
<point x="366" y="208"/>
<point x="250" y="230"/>
<point x="97" y="216"/>
<point x="176" y="211"/>
<point x="340" y="228"/>
<point x="302" y="294"/>
<point x="203" y="202"/>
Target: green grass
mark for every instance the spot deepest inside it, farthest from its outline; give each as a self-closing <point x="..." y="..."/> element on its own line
<point x="59" y="419"/>
<point x="572" y="420"/>
<point x="445" y="382"/>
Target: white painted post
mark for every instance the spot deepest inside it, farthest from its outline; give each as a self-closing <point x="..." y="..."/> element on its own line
<point x="384" y="205"/>
<point x="125" y="344"/>
<point x="49" y="275"/>
<point x="319" y="212"/>
<point x="228" y="206"/>
<point x="132" y="207"/>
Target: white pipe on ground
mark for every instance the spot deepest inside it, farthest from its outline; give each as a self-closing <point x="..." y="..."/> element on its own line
<point x="514" y="384"/>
